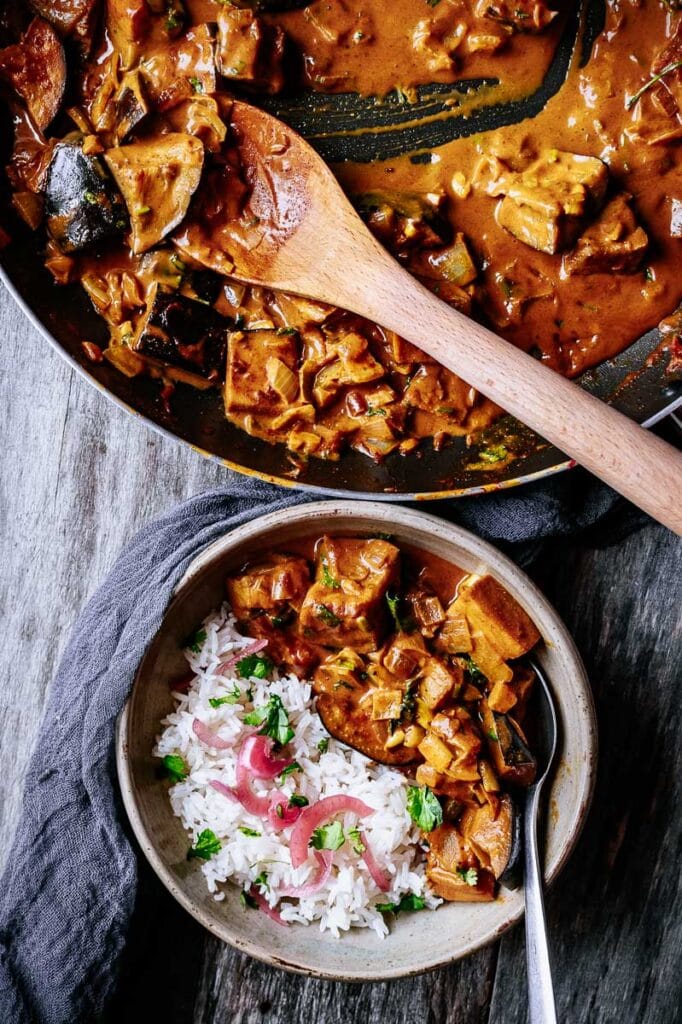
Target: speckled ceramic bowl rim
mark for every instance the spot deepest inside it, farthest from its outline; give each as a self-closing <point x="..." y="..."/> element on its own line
<point x="496" y="561"/>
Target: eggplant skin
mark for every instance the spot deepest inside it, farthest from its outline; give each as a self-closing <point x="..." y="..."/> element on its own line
<point x="82" y="204"/>
<point x="345" y="720"/>
<point x="184" y="333"/>
<point x="512" y="876"/>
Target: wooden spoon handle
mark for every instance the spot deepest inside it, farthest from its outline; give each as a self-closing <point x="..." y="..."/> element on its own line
<point x="642" y="467"/>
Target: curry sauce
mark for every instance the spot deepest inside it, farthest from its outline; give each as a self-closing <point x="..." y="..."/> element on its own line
<point x="562" y="232"/>
<point x="418" y="665"/>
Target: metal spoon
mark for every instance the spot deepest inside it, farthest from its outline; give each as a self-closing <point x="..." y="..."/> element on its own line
<point x="542" y="1008"/>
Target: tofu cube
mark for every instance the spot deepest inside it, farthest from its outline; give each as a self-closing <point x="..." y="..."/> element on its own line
<point x="435" y="752"/>
<point x="438" y="682"/>
<point x="614" y="244"/>
<point x="492" y="611"/>
<point x="386" y="705"/>
<point x="283" y="579"/>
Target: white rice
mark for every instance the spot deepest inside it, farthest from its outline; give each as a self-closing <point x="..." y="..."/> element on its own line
<point x="350" y="895"/>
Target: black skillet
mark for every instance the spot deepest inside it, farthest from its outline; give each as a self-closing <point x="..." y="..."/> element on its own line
<point x="344" y="127"/>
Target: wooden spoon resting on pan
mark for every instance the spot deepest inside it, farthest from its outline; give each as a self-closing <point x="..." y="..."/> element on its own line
<point x="298" y="232"/>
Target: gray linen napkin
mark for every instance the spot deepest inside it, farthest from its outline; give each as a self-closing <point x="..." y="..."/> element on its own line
<point x="68" y="891"/>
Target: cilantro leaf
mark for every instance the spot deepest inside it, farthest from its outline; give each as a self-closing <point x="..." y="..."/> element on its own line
<point x="206" y="846"/>
<point x="409" y="902"/>
<point x="246" y="831"/>
<point x="195" y="641"/>
<point x="274" y="719"/>
<point x="424" y="808"/>
<point x="176" y="767"/>
<point x="477" y="677"/>
<point x="290" y="768"/>
<point x="327" y="615"/>
<point x="395" y="605"/>
<point x="255" y="666"/>
<point x="323" y="746"/>
<point x="327" y="577"/>
<point x="470" y="875"/>
<point x="356" y="842"/>
<point x="328" y="837"/>
<point x="298" y="800"/>
<point x="261" y="880"/>
<point x="230" y="698"/>
<point x="247" y="900"/>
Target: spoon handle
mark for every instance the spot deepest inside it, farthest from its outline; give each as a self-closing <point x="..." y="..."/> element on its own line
<point x="540" y="989"/>
<point x="639" y="465"/>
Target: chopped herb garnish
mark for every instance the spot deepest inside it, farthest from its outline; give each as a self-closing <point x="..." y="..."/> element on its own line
<point x="261" y="880"/>
<point x="274" y="718"/>
<point x="327" y="615"/>
<point x="206" y="846"/>
<point x="195" y="641"/>
<point x="247" y="900"/>
<point x="470" y="875"/>
<point x="279" y="810"/>
<point x="375" y="412"/>
<point x="230" y="698"/>
<point x="407" y="707"/>
<point x="323" y="746"/>
<point x="327" y="578"/>
<point x="648" y="274"/>
<point x="356" y="842"/>
<point x="667" y="70"/>
<point x="90" y="198"/>
<point x="298" y="800"/>
<point x="409" y="902"/>
<point x="246" y="831"/>
<point x="395" y="602"/>
<point x="143" y="209"/>
<point x="285" y="331"/>
<point x="494" y="453"/>
<point x="255" y="666"/>
<point x="328" y="837"/>
<point x="197" y="85"/>
<point x="293" y="767"/>
<point x="492" y="735"/>
<point x="424" y="808"/>
<point x="176" y="767"/>
<point x="477" y="677"/>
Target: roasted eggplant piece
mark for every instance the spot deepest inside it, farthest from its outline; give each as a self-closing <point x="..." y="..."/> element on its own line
<point x="158" y="178"/>
<point x="493" y="832"/>
<point x="349" y="721"/>
<point x="513" y="761"/>
<point x="453" y="872"/>
<point x="71" y="18"/>
<point x="183" y="333"/>
<point x="82" y="203"/>
<point x="35" y="68"/>
<point x="131" y="105"/>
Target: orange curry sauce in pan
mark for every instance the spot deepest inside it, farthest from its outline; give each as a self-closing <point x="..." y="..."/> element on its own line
<point x="563" y="232"/>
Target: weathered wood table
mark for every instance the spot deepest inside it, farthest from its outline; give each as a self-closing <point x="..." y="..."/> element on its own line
<point x="79" y="476"/>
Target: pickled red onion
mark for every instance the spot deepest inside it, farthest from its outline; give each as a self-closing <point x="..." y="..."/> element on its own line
<point x="379" y="874"/>
<point x="208" y="736"/>
<point x="227" y="791"/>
<point x="288" y="816"/>
<point x="266" y="908"/>
<point x="257" y="645"/>
<point x="309" y="888"/>
<point x="314" y="816"/>
<point x="256" y="756"/>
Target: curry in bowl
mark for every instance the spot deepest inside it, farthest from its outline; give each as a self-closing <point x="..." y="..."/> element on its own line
<point x="351" y="739"/>
<point x="562" y="232"/>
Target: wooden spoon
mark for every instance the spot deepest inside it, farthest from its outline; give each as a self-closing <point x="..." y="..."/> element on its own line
<point x="300" y="233"/>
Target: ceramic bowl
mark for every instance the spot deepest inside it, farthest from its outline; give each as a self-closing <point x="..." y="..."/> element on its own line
<point x="417" y="942"/>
